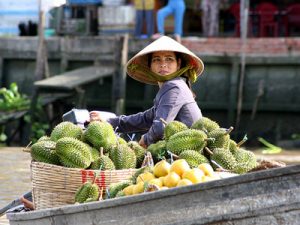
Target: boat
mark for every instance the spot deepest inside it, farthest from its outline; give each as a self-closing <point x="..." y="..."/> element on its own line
<point x="270" y="196"/>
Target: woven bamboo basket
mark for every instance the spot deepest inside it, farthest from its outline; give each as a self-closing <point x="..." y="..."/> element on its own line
<point x="54" y="186"/>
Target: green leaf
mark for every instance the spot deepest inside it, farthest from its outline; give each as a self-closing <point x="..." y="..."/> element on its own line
<point x="3" y="137"/>
<point x="269" y="148"/>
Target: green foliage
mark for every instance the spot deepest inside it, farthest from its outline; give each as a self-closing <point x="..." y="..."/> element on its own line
<point x="12" y="100"/>
<point x="269" y="148"/>
<point x="296" y="136"/>
<point x="38" y="128"/>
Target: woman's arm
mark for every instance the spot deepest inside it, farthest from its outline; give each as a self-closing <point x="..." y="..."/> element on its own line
<point x="133" y="123"/>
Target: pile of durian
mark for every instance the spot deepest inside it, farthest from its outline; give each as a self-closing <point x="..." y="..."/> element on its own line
<point x="97" y="147"/>
<point x="184" y="156"/>
<point x="204" y="142"/>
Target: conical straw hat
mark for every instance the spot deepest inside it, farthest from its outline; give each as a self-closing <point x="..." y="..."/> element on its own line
<point x="164" y="43"/>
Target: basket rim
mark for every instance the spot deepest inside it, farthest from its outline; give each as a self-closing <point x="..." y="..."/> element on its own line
<point x="43" y="164"/>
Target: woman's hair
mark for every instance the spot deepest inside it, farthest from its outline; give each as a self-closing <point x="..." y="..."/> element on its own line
<point x="178" y="56"/>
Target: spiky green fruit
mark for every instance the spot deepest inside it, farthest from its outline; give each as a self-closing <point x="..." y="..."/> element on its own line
<point x="66" y="129"/>
<point x="139" y="152"/>
<point x="44" y="151"/>
<point x="123" y="157"/>
<point x="233" y="146"/>
<point x="114" y="188"/>
<point x="44" y="138"/>
<point x="103" y="163"/>
<point x="193" y="158"/>
<point x="190" y="139"/>
<point x="205" y="124"/>
<point x="220" y="138"/>
<point x="158" y="150"/>
<point x="224" y="158"/>
<point x="121" y="141"/>
<point x="246" y="161"/>
<point x="172" y="128"/>
<point x="139" y="172"/>
<point x="95" y="153"/>
<point x="100" y="134"/>
<point x="87" y="192"/>
<point x="120" y="194"/>
<point x="73" y="153"/>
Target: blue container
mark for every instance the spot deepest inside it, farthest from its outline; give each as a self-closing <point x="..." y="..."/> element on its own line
<point x="84" y="2"/>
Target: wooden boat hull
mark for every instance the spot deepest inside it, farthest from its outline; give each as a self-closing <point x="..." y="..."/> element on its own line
<point x="266" y="197"/>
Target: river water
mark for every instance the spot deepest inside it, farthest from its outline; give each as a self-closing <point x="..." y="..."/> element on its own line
<point x="14" y="174"/>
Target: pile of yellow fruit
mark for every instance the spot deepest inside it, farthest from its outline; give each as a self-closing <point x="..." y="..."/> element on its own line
<point x="165" y="175"/>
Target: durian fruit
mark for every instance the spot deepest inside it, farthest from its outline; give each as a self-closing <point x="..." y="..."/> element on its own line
<point x="121" y="140"/>
<point x="123" y="157"/>
<point x="224" y="158"/>
<point x="44" y="138"/>
<point x="94" y="152"/>
<point x="193" y="158"/>
<point x="158" y="150"/>
<point x="139" y="152"/>
<point x="172" y="128"/>
<point x="120" y="194"/>
<point x="44" y="151"/>
<point x="246" y="161"/>
<point x="100" y="134"/>
<point x="114" y="188"/>
<point x="205" y="124"/>
<point x="66" y="129"/>
<point x="103" y="162"/>
<point x="220" y="138"/>
<point x="233" y="146"/>
<point x="73" y="153"/>
<point x="140" y="171"/>
<point x="88" y="192"/>
<point x="190" y="139"/>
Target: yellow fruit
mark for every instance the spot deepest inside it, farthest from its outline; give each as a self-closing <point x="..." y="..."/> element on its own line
<point x="207" y="169"/>
<point x="184" y="182"/>
<point x="138" y="188"/>
<point x="128" y="190"/>
<point x="171" y="180"/>
<point x="195" y="175"/>
<point x="209" y="178"/>
<point x="162" y="179"/>
<point x="179" y="166"/>
<point x="156" y="181"/>
<point x="145" y="177"/>
<point x="162" y="168"/>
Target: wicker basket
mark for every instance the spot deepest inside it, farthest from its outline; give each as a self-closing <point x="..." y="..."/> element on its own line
<point x="54" y="186"/>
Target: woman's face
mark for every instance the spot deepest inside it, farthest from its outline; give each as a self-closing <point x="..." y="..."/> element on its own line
<point x="164" y="62"/>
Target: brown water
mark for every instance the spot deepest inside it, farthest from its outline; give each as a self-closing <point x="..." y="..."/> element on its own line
<point x="14" y="174"/>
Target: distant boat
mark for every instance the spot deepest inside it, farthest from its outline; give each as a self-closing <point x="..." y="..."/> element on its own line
<point x="265" y="197"/>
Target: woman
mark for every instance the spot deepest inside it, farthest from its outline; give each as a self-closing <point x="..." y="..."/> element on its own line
<point x="173" y="67"/>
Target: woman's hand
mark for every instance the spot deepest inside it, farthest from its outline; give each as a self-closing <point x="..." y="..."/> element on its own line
<point x="142" y="142"/>
<point x="95" y="116"/>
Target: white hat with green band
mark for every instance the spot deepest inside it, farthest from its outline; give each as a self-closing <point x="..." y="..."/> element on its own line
<point x="138" y="68"/>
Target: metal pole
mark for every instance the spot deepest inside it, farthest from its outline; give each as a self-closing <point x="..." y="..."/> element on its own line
<point x="244" y="28"/>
